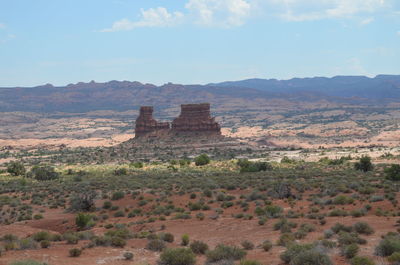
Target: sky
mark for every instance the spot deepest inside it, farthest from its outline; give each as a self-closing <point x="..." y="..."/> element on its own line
<point x="195" y="41"/>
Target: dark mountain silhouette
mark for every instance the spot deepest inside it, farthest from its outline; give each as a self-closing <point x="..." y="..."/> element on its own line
<point x="379" y="87"/>
<point x="125" y="95"/>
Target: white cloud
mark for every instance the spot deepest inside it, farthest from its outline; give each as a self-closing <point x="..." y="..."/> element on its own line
<point x="233" y="13"/>
<point x="153" y="17"/>
<point x="309" y="10"/>
<point x="2" y="26"/>
<point x="398" y="32"/>
<point x="225" y="13"/>
<point x="367" y="21"/>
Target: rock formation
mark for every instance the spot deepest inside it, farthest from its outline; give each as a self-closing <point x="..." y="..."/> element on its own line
<point x="194" y="118"/>
<point x="145" y="123"/>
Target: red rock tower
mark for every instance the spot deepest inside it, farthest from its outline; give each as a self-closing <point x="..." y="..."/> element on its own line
<point x="196" y="118"/>
<point x="145" y="123"/>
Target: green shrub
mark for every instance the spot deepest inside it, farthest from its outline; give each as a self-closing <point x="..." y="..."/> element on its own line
<point x="16" y="168"/>
<point x="198" y="247"/>
<point x="82" y="220"/>
<point x="117" y="241"/>
<point x="42" y="235"/>
<point x="250" y="262"/>
<point x="311" y="257"/>
<point x="71" y="238"/>
<point x="75" y="252"/>
<point x="393" y="172"/>
<point x="267" y="245"/>
<point x="128" y="255"/>
<point x="120" y="172"/>
<point x="43" y="173"/>
<point x="155" y="245"/>
<point x="286" y="239"/>
<point x="395" y="257"/>
<point x="247" y="245"/>
<point x="177" y="256"/>
<point x="185" y="240"/>
<point x="27" y="262"/>
<point x="224" y="252"/>
<point x="361" y="261"/>
<point x="167" y="237"/>
<point x="117" y="195"/>
<point x="388" y="245"/>
<point x="82" y="201"/>
<point x="107" y="205"/>
<point x="364" y="164"/>
<point x="45" y="244"/>
<point x="350" y="251"/>
<point x="273" y="211"/>
<point x="27" y="243"/>
<point x="292" y="251"/>
<point x="202" y="160"/>
<point x="363" y="228"/>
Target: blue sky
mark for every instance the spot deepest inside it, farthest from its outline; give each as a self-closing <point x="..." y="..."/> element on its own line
<point x="195" y="41"/>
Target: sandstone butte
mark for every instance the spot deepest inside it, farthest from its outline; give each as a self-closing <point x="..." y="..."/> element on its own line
<point x="193" y="119"/>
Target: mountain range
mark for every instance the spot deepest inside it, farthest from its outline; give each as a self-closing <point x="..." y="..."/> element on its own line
<point x="125" y="95"/>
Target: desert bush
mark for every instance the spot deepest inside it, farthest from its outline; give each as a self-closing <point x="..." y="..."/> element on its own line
<point x="202" y="160"/>
<point x="250" y="262"/>
<point x="342" y="200"/>
<point x="117" y="241"/>
<point x="393" y="172"/>
<point x="273" y="211"/>
<point x="71" y="238"/>
<point x="198" y="247"/>
<point x="107" y="205"/>
<point x="45" y="243"/>
<point x="83" y="201"/>
<point x="117" y="195"/>
<point x="394" y="258"/>
<point x="27" y="262"/>
<point x="177" y="256"/>
<point x="311" y="257"/>
<point x="363" y="228"/>
<point x="247" y="245"/>
<point x="120" y="171"/>
<point x="224" y="252"/>
<point x="27" y="243"/>
<point x="267" y="245"/>
<point x="167" y="237"/>
<point x="43" y="173"/>
<point x="42" y="235"/>
<point x="82" y="220"/>
<point x="248" y="166"/>
<point x="155" y="245"/>
<point x="364" y="164"/>
<point x="304" y="254"/>
<point x="128" y="255"/>
<point x="286" y="239"/>
<point x="16" y="168"/>
<point x="185" y="240"/>
<point x="75" y="252"/>
<point x="388" y="245"/>
<point x="350" y="251"/>
<point x="361" y="261"/>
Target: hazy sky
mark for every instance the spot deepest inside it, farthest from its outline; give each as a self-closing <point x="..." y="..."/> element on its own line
<point x="195" y="41"/>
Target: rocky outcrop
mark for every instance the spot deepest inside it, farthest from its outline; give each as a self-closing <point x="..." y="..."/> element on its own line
<point x="194" y="118"/>
<point x="146" y="124"/>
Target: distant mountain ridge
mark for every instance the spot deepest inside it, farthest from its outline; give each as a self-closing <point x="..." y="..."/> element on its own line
<point x="126" y="95"/>
<point x="379" y="87"/>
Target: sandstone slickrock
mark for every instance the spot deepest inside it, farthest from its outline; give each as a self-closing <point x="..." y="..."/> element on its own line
<point x="194" y="118"/>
